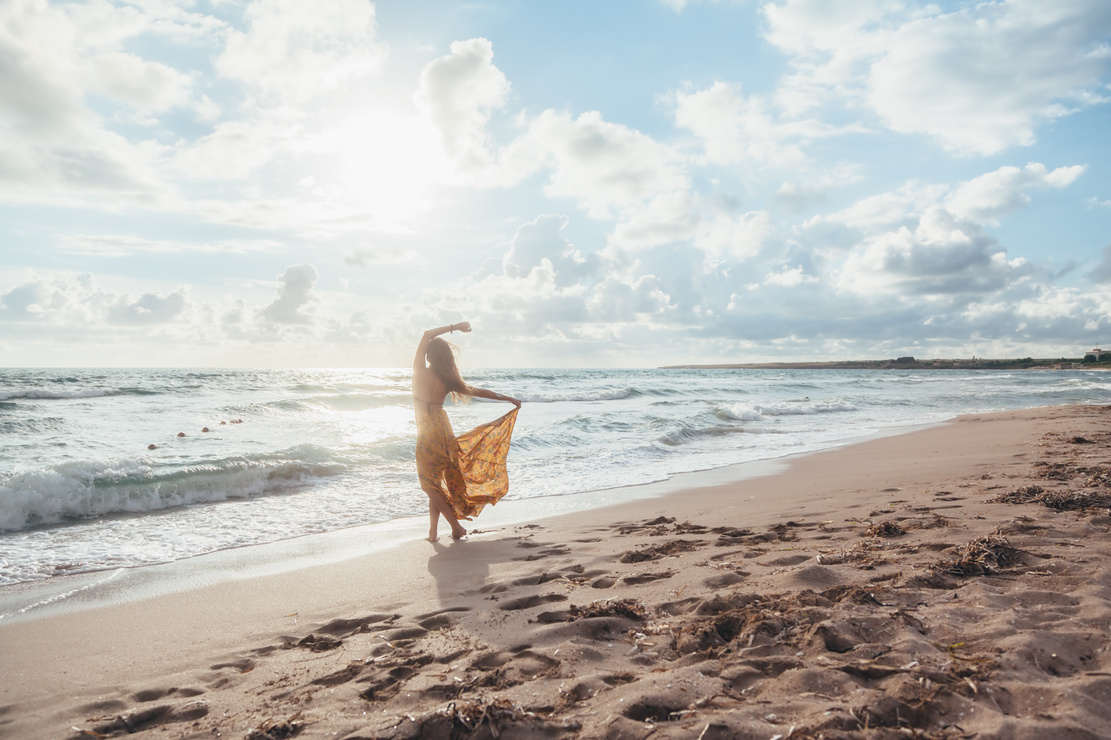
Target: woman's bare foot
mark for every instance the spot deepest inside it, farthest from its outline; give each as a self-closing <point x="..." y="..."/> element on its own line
<point x="458" y="534"/>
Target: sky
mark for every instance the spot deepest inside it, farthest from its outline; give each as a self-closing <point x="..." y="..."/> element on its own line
<point x="629" y="183"/>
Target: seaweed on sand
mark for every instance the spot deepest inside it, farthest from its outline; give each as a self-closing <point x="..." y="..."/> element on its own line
<point x="984" y="556"/>
<point x="277" y="729"/>
<point x="655" y="552"/>
<point x="1073" y="500"/>
<point x="627" y="608"/>
<point x="886" y="529"/>
<point x="1021" y="495"/>
<point x="481" y="718"/>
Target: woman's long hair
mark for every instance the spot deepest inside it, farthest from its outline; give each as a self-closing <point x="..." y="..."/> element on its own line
<point x="441" y="360"/>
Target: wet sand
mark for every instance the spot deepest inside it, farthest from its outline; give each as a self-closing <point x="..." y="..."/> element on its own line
<point x="952" y="582"/>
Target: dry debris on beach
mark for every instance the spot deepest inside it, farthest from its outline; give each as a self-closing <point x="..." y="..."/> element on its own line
<point x="980" y="608"/>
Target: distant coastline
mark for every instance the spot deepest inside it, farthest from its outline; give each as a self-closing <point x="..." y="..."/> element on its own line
<point x="907" y="363"/>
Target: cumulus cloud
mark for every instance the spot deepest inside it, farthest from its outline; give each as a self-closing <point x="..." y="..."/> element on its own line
<point x="667" y="218"/>
<point x="982" y="200"/>
<point x="295" y="296"/>
<point x="739" y="130"/>
<point x="49" y="298"/>
<point x="789" y="277"/>
<point x="541" y="240"/>
<point x="978" y="80"/>
<point x="74" y="300"/>
<point x="74" y="306"/>
<point x="149" y="308"/>
<point x="457" y="93"/>
<point x="620" y="300"/>
<point x="59" y="56"/>
<point x="292" y="50"/>
<point x="606" y="167"/>
<point x="740" y="237"/>
<point x="995" y="194"/>
<point x="941" y="255"/>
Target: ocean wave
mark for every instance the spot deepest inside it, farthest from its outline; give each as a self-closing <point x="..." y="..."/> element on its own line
<point x="78" y="490"/>
<point x="757" y="412"/>
<point x="686" y="435"/>
<point x="333" y="402"/>
<point x="38" y="394"/>
<point x="605" y="394"/>
<point x="31" y="425"/>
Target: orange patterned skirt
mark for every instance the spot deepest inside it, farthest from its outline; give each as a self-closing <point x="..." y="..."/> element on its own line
<point x="468" y="469"/>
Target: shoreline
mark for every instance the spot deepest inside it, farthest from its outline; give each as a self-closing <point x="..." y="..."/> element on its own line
<point x="359" y="646"/>
<point x="43" y="597"/>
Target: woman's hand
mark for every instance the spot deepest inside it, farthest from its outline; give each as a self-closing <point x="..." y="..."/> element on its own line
<point x="463" y="326"/>
<point x="514" y="401"/>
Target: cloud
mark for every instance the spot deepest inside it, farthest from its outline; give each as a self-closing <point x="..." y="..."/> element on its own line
<point x="978" y="80"/>
<point x="622" y="300"/>
<point x="75" y="300"/>
<point x="982" y="200"/>
<point x="149" y="308"/>
<point x="366" y="256"/>
<point x="146" y="85"/>
<point x="995" y="194"/>
<point x="741" y="237"/>
<point x="667" y="218"/>
<point x="293" y="50"/>
<point x="811" y="191"/>
<point x="235" y="149"/>
<point x="54" y="299"/>
<point x="1102" y="272"/>
<point x="59" y="62"/>
<point x="541" y="240"/>
<point x="120" y="245"/>
<point x="606" y="167"/>
<point x="738" y="130"/>
<point x="789" y="277"/>
<point x="941" y="255"/>
<point x="457" y="93"/>
<point x="295" y="295"/>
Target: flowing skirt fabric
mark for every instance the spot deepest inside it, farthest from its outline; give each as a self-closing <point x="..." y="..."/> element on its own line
<point x="468" y="469"/>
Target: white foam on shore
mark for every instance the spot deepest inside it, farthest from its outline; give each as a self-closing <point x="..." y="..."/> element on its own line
<point x="92" y="590"/>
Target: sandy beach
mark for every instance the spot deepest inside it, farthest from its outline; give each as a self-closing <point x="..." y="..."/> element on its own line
<point x="951" y="582"/>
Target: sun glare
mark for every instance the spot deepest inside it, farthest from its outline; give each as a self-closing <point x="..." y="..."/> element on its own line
<point x="388" y="162"/>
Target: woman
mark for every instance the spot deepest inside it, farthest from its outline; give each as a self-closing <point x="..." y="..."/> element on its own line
<point x="460" y="475"/>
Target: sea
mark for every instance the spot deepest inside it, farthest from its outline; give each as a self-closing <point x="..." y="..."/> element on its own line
<point x="107" y="469"/>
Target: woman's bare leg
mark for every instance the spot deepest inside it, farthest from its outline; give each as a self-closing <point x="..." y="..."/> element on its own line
<point x="433" y="521"/>
<point x="438" y="504"/>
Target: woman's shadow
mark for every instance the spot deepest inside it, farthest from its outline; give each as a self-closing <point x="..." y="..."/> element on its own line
<point x="464" y="565"/>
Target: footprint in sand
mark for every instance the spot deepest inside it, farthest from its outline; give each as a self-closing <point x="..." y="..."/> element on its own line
<point x="604" y="582"/>
<point x="155" y="694"/>
<point x="655" y="552"/>
<point x="636" y="580"/>
<point x="528" y="602"/>
<point x="436" y="622"/>
<point x="150" y="717"/>
<point x="348" y="627"/>
<point x="725" y="580"/>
